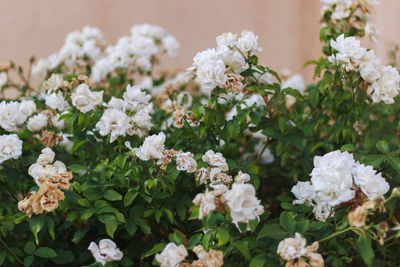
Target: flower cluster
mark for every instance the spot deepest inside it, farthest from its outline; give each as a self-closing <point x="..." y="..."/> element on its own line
<point x="50" y="177"/>
<point x="106" y="251"/>
<point x="78" y="45"/>
<point x="135" y="52"/>
<point x="293" y="249"/>
<point x="383" y="81"/>
<point x="240" y="200"/>
<point x="335" y="179"/>
<point x="14" y="114"/>
<point x="221" y="67"/>
<point x="351" y="13"/>
<point x="127" y="116"/>
<point x="173" y="256"/>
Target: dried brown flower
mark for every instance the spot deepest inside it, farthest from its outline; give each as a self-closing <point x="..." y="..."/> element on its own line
<point x="48" y="138"/>
<point x="178" y="116"/>
<point x="233" y="82"/>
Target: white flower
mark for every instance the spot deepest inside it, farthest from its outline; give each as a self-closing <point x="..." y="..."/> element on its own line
<point x="148" y="30"/>
<point x="242" y="178"/>
<point x="115" y="122"/>
<point x="171" y="45"/>
<point x="322" y="210"/>
<point x="295" y="82"/>
<point x="57" y="101"/>
<point x="371" y="31"/>
<point x="371" y="183"/>
<point x="37" y="122"/>
<point x="10" y="147"/>
<point x="135" y="99"/>
<point x="172" y="255"/>
<point x="66" y="143"/>
<point x="3" y="79"/>
<point x="215" y="160"/>
<point x="116" y="103"/>
<point x="41" y="68"/>
<point x="206" y="203"/>
<point x="37" y="171"/>
<point x="233" y="59"/>
<point x="143" y="47"/>
<point x="248" y="42"/>
<point x="332" y="178"/>
<point x="243" y="204"/>
<point x="55" y="82"/>
<point x="226" y="40"/>
<point x="10" y="116"/>
<point x="211" y="74"/>
<point x="387" y="86"/>
<point x="107" y="251"/>
<point x="59" y="124"/>
<point x="84" y="99"/>
<point x="27" y="108"/>
<point x="46" y="157"/>
<point x="304" y="192"/>
<point x="185" y="162"/>
<point x="369" y="72"/>
<point x="152" y="147"/>
<point x="292" y="248"/>
<point x="349" y="54"/>
<point x="142" y="122"/>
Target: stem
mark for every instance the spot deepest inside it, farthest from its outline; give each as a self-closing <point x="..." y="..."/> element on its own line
<point x="335" y="234"/>
<point x="12" y="252"/>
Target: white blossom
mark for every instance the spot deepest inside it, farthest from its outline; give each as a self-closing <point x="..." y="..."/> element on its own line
<point x="242" y="178"/>
<point x="40" y="68"/>
<point x="11" y="118"/>
<point x="248" y="42"/>
<point x="57" y="101"/>
<point x="304" y="192"/>
<point x="350" y="53"/>
<point x="215" y="160"/>
<point x="226" y="40"/>
<point x="114" y="122"/>
<point x="172" y="255"/>
<point x="371" y="183"/>
<point x="206" y="203"/>
<point x="27" y="107"/>
<point x="292" y="248"/>
<point x="3" y="79"/>
<point x="106" y="251"/>
<point x="37" y="122"/>
<point x="86" y="100"/>
<point x="152" y="147"/>
<point x="46" y="157"/>
<point x="387" y="87"/>
<point x="10" y="147"/>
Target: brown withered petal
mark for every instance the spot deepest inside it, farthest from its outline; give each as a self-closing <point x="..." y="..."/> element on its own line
<point x="299" y="262"/>
<point x="48" y="138"/>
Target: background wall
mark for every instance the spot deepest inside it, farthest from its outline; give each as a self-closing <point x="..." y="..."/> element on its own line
<point x="288" y="29"/>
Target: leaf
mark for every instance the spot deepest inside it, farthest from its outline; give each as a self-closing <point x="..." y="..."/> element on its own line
<point x="243" y="247"/>
<point x="36" y="224"/>
<point x="28" y="260"/>
<point x="194" y="240"/>
<point x="258" y="261"/>
<point x="29" y="247"/>
<point x="157" y="248"/>
<point x="45" y="252"/>
<point x="383" y="146"/>
<point x="63" y="257"/>
<point x="112" y="195"/>
<point x="223" y="236"/>
<point x="394" y="162"/>
<point x="349" y="148"/>
<point x="77" y="168"/>
<point x="364" y="248"/>
<point x="206" y="239"/>
<point x="273" y="231"/>
<point x="75" y="146"/>
<point x="131" y="227"/>
<point x="111" y="223"/>
<point x="3" y="255"/>
<point x="50" y="227"/>
<point x="287" y="221"/>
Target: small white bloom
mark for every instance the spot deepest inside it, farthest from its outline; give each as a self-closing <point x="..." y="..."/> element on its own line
<point x="11" y="118"/>
<point x="172" y="255"/>
<point x="107" y="251"/>
<point x="304" y="192"/>
<point x="206" y="203"/>
<point x="27" y="108"/>
<point x="185" y="162"/>
<point x="242" y="178"/>
<point x="114" y="122"/>
<point x="292" y="248"/>
<point x="57" y="101"/>
<point x="226" y="40"/>
<point x="10" y="147"/>
<point x="371" y="183"/>
<point x="59" y="124"/>
<point x="211" y="74"/>
<point x="41" y="68"/>
<point x="152" y="147"/>
<point x="248" y="42"/>
<point x="135" y="99"/>
<point x="387" y="87"/>
<point x="243" y="203"/>
<point x="37" y="122"/>
<point x="215" y="160"/>
<point x="46" y="157"/>
<point x="350" y="53"/>
<point x="84" y="99"/>
<point x="171" y="45"/>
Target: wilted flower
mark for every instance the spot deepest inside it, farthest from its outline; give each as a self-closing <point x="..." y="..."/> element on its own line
<point x="106" y="251"/>
<point x="172" y="255"/>
<point x="152" y="147"/>
<point x="357" y="217"/>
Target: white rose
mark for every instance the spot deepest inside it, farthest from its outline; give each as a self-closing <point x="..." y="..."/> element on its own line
<point x="206" y="203"/>
<point x="41" y="68"/>
<point x="292" y="248"/>
<point x="226" y="40"/>
<point x="242" y="178"/>
<point x="113" y="122"/>
<point x="57" y="101"/>
<point x="10" y="147"/>
<point x="84" y="99"/>
<point x="387" y="86"/>
<point x="211" y="74"/>
<point x="215" y="160"/>
<point x="36" y="171"/>
<point x="304" y="192"/>
<point x="185" y="162"/>
<point x="171" y="45"/>
<point x="116" y="103"/>
<point x="172" y="255"/>
<point x="243" y="204"/>
<point x="27" y="108"/>
<point x="59" y="124"/>
<point x="248" y="42"/>
<point x="46" y="157"/>
<point x="371" y="183"/>
<point x="152" y="147"/>
<point x="37" y="122"/>
<point x="107" y="251"/>
<point x="10" y="116"/>
<point x="135" y="99"/>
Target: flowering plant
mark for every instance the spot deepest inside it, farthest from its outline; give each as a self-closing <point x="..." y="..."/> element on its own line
<point x="110" y="163"/>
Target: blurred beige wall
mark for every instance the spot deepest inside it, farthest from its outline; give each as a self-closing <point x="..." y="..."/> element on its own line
<point x="288" y="29"/>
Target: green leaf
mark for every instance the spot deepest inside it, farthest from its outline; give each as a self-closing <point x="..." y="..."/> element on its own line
<point x="364" y="248"/>
<point x="75" y="146"/>
<point x="287" y="221"/>
<point x="206" y="239"/>
<point x="394" y="162"/>
<point x="3" y="255"/>
<point x="45" y="252"/>
<point x="349" y="148"/>
<point x="258" y="261"/>
<point x="112" y="195"/>
<point x="243" y="247"/>
<point x="29" y="247"/>
<point x="223" y="236"/>
<point x="63" y="257"/>
<point x="194" y="240"/>
<point x="36" y="224"/>
<point x="50" y="227"/>
<point x="77" y="168"/>
<point x="111" y="223"/>
<point x="157" y="248"/>
<point x="131" y="227"/>
<point x="383" y="146"/>
<point x="28" y="260"/>
<point x="273" y="231"/>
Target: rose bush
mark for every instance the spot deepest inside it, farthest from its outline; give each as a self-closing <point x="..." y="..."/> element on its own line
<point x="227" y="163"/>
